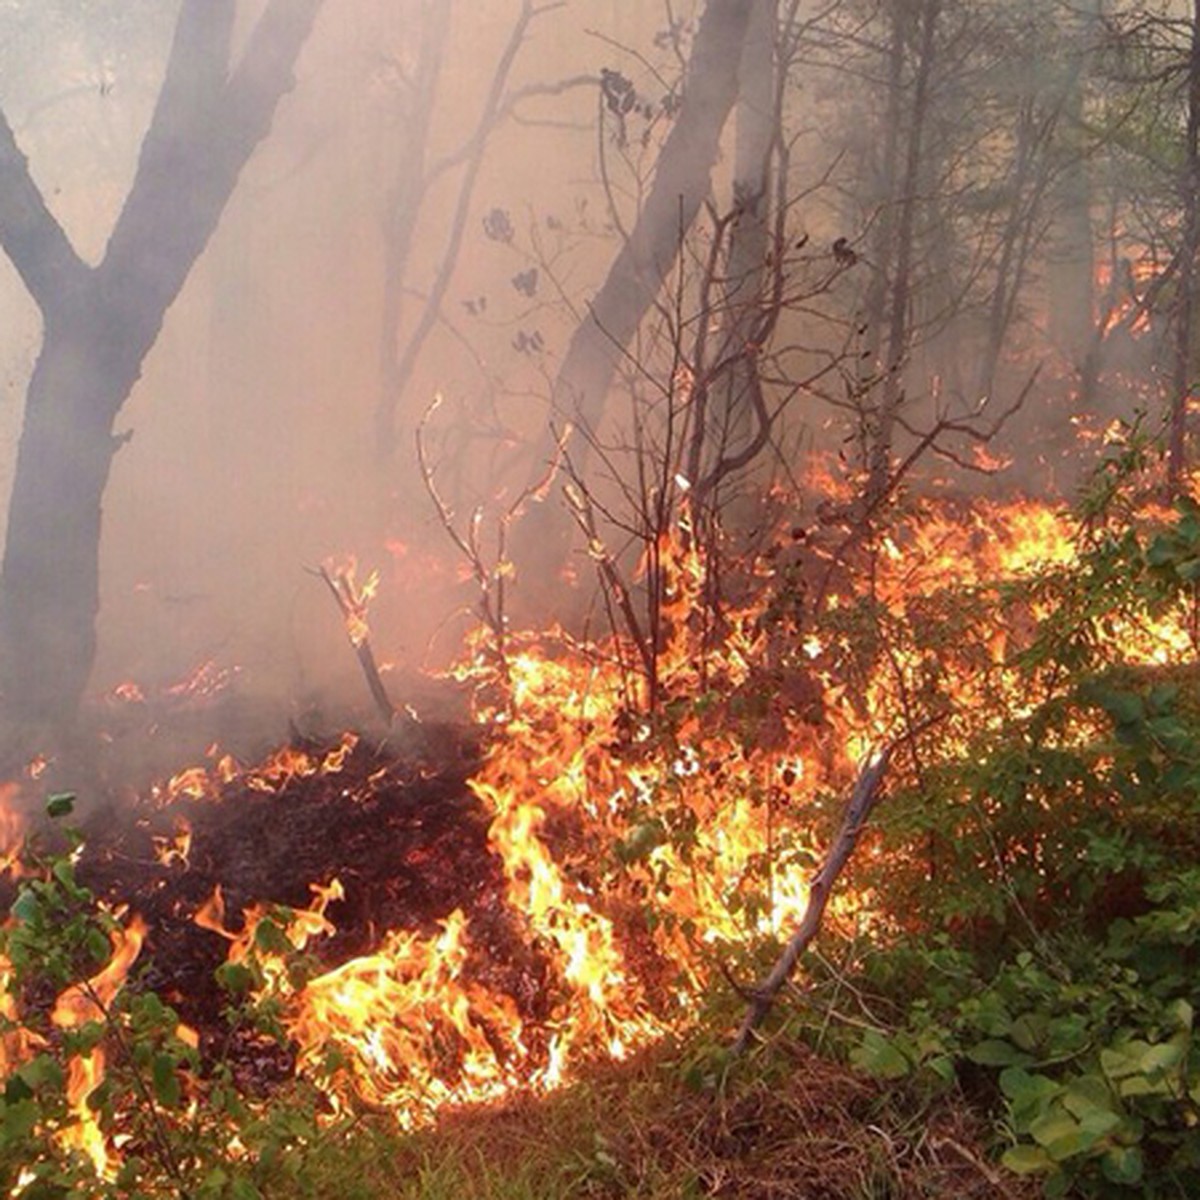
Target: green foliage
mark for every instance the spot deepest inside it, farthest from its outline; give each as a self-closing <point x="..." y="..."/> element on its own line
<point x="183" y="1124"/>
<point x="1053" y="835"/>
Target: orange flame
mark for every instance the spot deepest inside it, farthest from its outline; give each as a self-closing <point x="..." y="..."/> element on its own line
<point x="78" y="1005"/>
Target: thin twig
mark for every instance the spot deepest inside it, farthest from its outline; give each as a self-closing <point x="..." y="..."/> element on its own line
<point x="361" y="642"/>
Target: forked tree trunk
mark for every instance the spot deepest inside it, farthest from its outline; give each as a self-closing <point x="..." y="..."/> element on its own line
<point x="99" y="324"/>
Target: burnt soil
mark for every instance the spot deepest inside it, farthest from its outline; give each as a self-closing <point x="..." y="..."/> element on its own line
<point x="402" y="832"/>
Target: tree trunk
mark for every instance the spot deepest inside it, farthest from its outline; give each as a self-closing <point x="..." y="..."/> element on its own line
<point x="899" y="336"/>
<point x="757" y="125"/>
<point x="1030" y="176"/>
<point x="883" y="240"/>
<point x="50" y="576"/>
<point x="99" y="324"/>
<point x="1073" y="274"/>
<point x="1181" y="375"/>
<point x="682" y="180"/>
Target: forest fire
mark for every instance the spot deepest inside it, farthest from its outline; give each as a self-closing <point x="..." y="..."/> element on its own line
<point x="87" y="1002"/>
<point x="588" y="809"/>
<point x="682" y="402"/>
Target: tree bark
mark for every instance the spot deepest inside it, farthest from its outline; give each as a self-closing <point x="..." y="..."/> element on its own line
<point x="1181" y="375"/>
<point x="899" y="335"/>
<point x="757" y="125"/>
<point x="1073" y="276"/>
<point x="100" y="322"/>
<point x="682" y="180"/>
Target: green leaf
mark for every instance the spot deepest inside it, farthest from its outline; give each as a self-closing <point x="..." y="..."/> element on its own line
<point x="878" y="1056"/>
<point x="1089" y="1094"/>
<point x="1160" y="1058"/>
<point x="18" y="1121"/>
<point x="166" y="1081"/>
<point x="1020" y="1086"/>
<point x="1182" y="1013"/>
<point x="1028" y="1031"/>
<point x="244" y="1189"/>
<point x="992" y="1052"/>
<point x="1125" y="708"/>
<point x="1060" y="1135"/>
<point x="1123" y="1165"/>
<point x="26" y="907"/>
<point x="61" y="804"/>
<point x="1028" y="1095"/>
<point x="235" y="978"/>
<point x="41" y="1071"/>
<point x="272" y="937"/>
<point x="1027" y="1160"/>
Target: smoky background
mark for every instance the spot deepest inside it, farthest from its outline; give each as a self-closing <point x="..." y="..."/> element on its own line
<point x="254" y="451"/>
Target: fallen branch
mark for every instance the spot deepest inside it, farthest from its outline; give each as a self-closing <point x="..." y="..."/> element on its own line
<point x="862" y="801"/>
<point x="356" y="631"/>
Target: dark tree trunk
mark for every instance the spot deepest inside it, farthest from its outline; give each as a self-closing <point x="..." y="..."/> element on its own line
<point x="50" y="577"/>
<point x="883" y="239"/>
<point x="1073" y="275"/>
<point x="99" y="324"/>
<point x="757" y="127"/>
<point x="1181" y="375"/>
<point x="1030" y="176"/>
<point x="682" y="182"/>
<point x="899" y="333"/>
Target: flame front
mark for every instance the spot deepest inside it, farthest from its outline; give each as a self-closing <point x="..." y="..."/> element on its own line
<point x="638" y="853"/>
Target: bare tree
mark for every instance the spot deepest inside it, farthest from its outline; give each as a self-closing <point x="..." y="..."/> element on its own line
<point x="682" y="180"/>
<point x="99" y="322"/>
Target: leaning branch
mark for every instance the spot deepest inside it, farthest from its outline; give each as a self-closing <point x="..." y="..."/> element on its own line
<point x="862" y="802"/>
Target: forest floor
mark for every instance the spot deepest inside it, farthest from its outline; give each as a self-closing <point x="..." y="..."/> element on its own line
<point x="787" y="1124"/>
<point x="412" y="840"/>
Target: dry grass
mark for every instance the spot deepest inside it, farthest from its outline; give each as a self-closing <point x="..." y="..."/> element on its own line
<point x="796" y="1126"/>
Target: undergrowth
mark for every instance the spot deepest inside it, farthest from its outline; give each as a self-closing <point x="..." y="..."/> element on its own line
<point x="1038" y="940"/>
<point x="1031" y="945"/>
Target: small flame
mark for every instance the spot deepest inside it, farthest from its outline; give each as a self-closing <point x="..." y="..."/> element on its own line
<point x="78" y="1005"/>
<point x="354" y="598"/>
<point x="175" y="849"/>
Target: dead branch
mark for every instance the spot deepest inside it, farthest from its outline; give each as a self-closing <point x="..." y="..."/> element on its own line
<point x="862" y="802"/>
<point x="492" y="581"/>
<point x="360" y="639"/>
<point x="929" y="441"/>
<point x="579" y="502"/>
